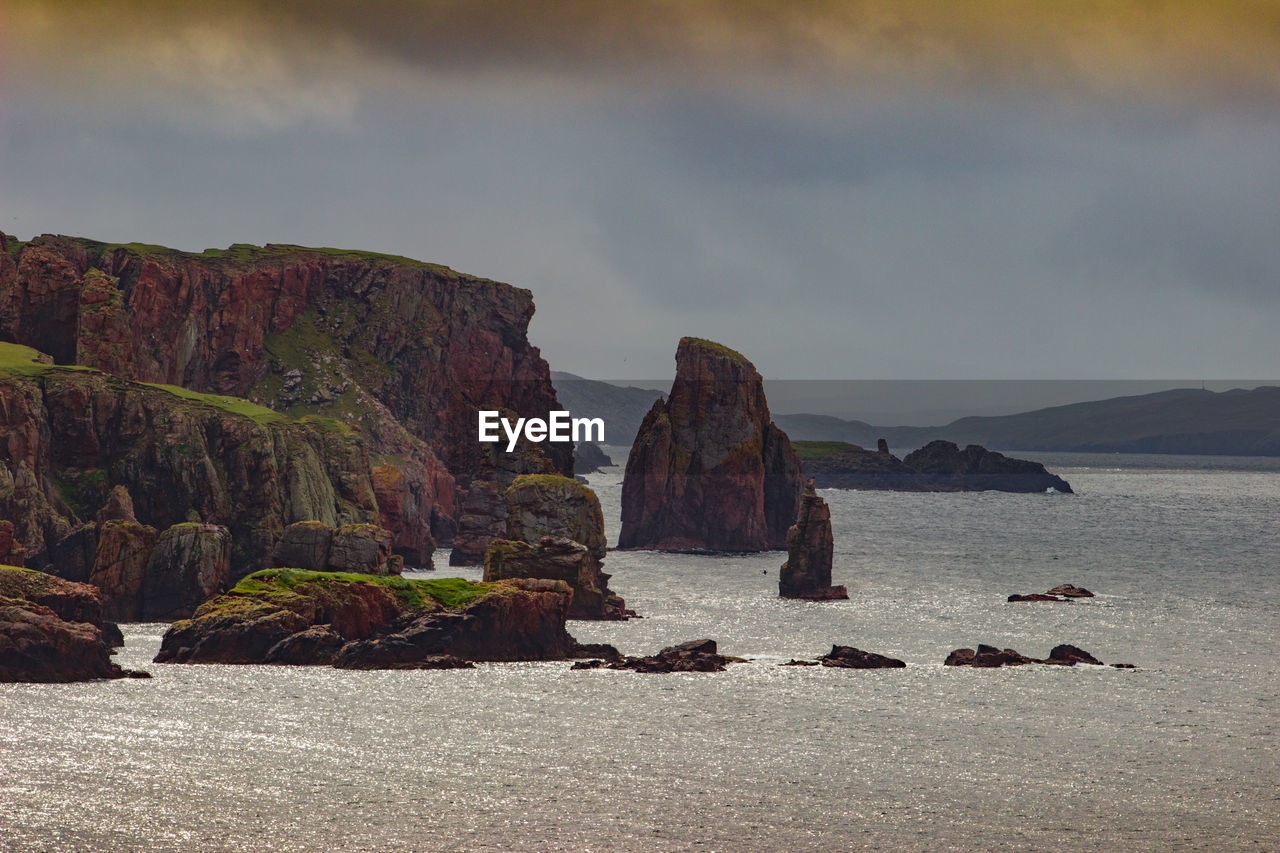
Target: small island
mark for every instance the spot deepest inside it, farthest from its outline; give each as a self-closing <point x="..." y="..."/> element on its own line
<point x="939" y="466"/>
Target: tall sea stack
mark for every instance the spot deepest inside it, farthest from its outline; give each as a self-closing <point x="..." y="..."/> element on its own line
<point x="709" y="469"/>
<point x="810" y="545"/>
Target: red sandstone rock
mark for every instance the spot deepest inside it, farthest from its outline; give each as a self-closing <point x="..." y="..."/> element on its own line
<point x="807" y="571"/>
<point x="709" y="469"/>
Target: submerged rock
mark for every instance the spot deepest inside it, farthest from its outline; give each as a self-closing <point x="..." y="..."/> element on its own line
<point x="293" y="616"/>
<point x="807" y="572"/>
<point x="850" y="658"/>
<point x="709" y="470"/>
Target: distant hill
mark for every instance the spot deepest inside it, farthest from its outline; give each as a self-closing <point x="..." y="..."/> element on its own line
<point x="622" y="407"/>
<point x="1186" y="420"/>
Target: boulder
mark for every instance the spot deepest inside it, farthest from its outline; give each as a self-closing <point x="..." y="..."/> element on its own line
<point x="807" y="572"/>
<point x="120" y="566"/>
<point x="541" y="505"/>
<point x="560" y="559"/>
<point x="361" y="548"/>
<point x="304" y="545"/>
<point x="709" y="469"/>
<point x="191" y="562"/>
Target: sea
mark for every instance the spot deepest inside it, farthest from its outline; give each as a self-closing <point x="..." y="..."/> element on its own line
<point x="1181" y="753"/>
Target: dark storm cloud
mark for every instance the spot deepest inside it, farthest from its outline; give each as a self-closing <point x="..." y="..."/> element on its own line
<point x="837" y="189"/>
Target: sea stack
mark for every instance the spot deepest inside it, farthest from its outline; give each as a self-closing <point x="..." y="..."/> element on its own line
<point x="807" y="572"/>
<point x="709" y="469"/>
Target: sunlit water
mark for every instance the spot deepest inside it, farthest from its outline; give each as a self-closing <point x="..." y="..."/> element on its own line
<point x="1178" y="754"/>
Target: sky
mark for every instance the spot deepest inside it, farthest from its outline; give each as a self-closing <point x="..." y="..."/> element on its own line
<point x="840" y="190"/>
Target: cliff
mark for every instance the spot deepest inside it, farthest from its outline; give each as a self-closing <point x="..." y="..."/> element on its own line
<point x="404" y="351"/>
<point x="709" y="468"/>
<point x="70" y="435"/>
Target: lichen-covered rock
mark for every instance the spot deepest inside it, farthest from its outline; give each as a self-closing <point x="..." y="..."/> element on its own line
<point x="709" y="469"/>
<point x="560" y="559"/>
<point x="361" y="548"/>
<point x="483" y="518"/>
<point x="304" y="545"/>
<point x="292" y="616"/>
<point x="119" y="506"/>
<point x="807" y="572"/>
<point x="190" y="563"/>
<point x="124" y="552"/>
<point x="540" y="505"/>
<point x="52" y="630"/>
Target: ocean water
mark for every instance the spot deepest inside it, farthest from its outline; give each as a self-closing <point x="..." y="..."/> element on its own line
<point x="1179" y="754"/>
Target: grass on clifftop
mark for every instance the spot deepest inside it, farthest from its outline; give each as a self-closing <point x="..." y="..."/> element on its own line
<point x="718" y="348"/>
<point x="234" y="405"/>
<point x="25" y="361"/>
<point x="451" y="592"/>
<point x="545" y="480"/>
<point x="824" y="449"/>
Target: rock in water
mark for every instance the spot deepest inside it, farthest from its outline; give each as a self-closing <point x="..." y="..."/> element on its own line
<point x="191" y="562"/>
<point x="52" y="630"/>
<point x="948" y="468"/>
<point x="555" y="529"/>
<point x="990" y="657"/>
<point x="709" y="469"/>
<point x="848" y="657"/>
<point x="1070" y="591"/>
<point x="807" y="571"/>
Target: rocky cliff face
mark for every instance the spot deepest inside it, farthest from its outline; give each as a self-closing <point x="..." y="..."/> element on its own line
<point x="68" y="436"/>
<point x="401" y="350"/>
<point x="709" y="469"/>
<point x="807" y="571"/>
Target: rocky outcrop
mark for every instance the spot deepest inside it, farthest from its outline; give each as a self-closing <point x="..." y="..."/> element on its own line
<point x="52" y="630"/>
<point x="847" y="657"/>
<point x="555" y="529"/>
<point x="191" y="563"/>
<point x="807" y="572"/>
<point x="1061" y="592"/>
<point x="990" y="657"/>
<point x="939" y="466"/>
<point x="298" y="617"/>
<point x="589" y="458"/>
<point x="692" y="656"/>
<point x="709" y="469"/>
<point x="559" y="559"/>
<point x="1071" y="591"/>
<point x="362" y="548"/>
<point x="483" y="518"/>
<point x="120" y="566"/>
<point x="69" y="437"/>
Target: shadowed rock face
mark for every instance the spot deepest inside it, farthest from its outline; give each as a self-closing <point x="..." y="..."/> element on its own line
<point x="807" y="571"/>
<point x="939" y="466"/>
<point x="709" y="469"/>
